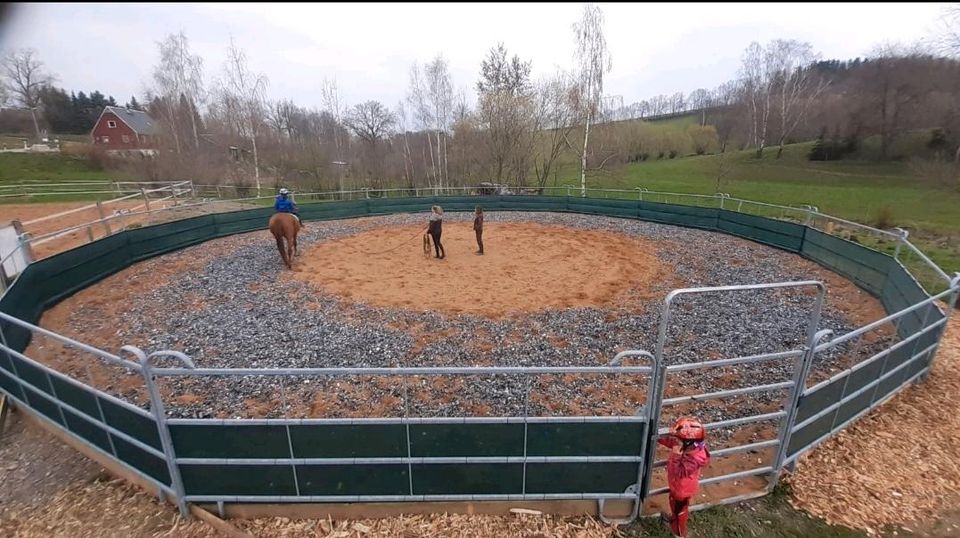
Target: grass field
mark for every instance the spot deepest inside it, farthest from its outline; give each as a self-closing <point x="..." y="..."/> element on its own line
<point x="864" y="191"/>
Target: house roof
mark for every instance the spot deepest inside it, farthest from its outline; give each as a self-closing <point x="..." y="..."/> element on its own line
<point x="139" y="121"/>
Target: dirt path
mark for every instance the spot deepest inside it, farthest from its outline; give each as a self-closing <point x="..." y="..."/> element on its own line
<point x="27" y="212"/>
<point x="899" y="465"/>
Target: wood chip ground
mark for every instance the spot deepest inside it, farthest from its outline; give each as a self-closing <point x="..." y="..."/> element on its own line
<point x="897" y="466"/>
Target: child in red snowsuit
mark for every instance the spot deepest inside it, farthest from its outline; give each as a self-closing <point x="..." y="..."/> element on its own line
<point x="688" y="455"/>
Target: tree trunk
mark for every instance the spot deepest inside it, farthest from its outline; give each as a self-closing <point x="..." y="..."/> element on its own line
<point x="583" y="159"/>
<point x="440" y="160"/>
<point x="193" y="120"/>
<point x="36" y="124"/>
<point x="433" y="163"/>
<point x="256" y="163"/>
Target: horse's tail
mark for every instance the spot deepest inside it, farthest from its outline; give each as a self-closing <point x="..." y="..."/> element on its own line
<point x="283" y="251"/>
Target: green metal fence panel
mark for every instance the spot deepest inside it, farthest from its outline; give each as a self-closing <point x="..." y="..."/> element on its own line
<point x="680" y="215"/>
<point x="232" y="441"/>
<point x="238" y="479"/>
<point x="785" y="235"/>
<point x="468" y="479"/>
<point x="855" y="405"/>
<point x="356" y="479"/>
<point x="580" y="477"/>
<point x="140" y="427"/>
<point x="461" y="440"/>
<point x="866" y="267"/>
<point x="76" y="396"/>
<point x="41" y="404"/>
<point x="810" y="433"/>
<point x="145" y="462"/>
<point x="585" y="439"/>
<point x="8" y="381"/>
<point x="860" y="377"/>
<point x="349" y="441"/>
<point x="33" y="375"/>
<point x="818" y="400"/>
<point x="87" y="430"/>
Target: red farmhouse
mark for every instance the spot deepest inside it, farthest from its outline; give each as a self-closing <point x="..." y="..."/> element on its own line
<point x="124" y="128"/>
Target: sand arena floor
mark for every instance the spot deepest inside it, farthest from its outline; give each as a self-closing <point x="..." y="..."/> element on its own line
<point x="526" y="267"/>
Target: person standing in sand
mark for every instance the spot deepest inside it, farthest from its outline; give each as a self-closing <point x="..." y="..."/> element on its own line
<point x="435" y="228"/>
<point x="478" y="227"/>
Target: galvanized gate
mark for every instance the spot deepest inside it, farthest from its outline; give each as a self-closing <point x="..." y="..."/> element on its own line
<point x="800" y="361"/>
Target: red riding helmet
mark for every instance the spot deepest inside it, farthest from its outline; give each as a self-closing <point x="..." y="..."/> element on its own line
<point x="688" y="429"/>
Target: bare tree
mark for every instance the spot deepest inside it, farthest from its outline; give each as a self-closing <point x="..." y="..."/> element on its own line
<point x="242" y="90"/>
<point x="24" y="77"/>
<point x="505" y="110"/>
<point x="677" y="103"/>
<point x="333" y="105"/>
<point x="371" y="121"/>
<point x="948" y="33"/>
<point x="423" y="113"/>
<point x="758" y="75"/>
<point x="440" y="97"/>
<point x="699" y="99"/>
<point x="554" y="119"/>
<point x="798" y="84"/>
<point x="593" y="61"/>
<point x="179" y="76"/>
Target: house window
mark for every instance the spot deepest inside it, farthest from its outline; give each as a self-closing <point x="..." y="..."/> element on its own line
<point x="126" y="139"/>
<point x="106" y="139"/>
<point x="111" y="124"/>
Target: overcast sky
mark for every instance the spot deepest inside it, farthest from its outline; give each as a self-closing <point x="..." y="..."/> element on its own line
<point x="369" y="48"/>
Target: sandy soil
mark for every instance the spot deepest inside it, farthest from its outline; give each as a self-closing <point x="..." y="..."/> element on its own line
<point x="27" y="212"/>
<point x="525" y="268"/>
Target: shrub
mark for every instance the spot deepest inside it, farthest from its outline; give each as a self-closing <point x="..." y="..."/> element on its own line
<point x="883" y="218"/>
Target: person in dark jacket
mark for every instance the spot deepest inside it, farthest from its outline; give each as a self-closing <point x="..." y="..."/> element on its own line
<point x="435" y="228"/>
<point x="478" y="227"/>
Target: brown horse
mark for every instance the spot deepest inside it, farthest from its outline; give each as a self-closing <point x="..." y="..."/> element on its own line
<point x="285" y="226"/>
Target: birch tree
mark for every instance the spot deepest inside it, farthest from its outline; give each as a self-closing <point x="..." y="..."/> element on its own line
<point x="554" y="119"/>
<point x="440" y="98"/>
<point x="243" y="91"/>
<point x="757" y="75"/>
<point x="333" y="105"/>
<point x="593" y="61"/>
<point x="798" y="87"/>
<point x="179" y="76"/>
<point x="24" y="78"/>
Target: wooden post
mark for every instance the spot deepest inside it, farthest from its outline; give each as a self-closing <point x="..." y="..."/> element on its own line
<point x="103" y="218"/>
<point x="146" y="199"/>
<point x="4" y="409"/>
<point x="90" y="233"/>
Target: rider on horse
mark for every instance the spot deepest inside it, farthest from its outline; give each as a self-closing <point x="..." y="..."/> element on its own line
<point x="284" y="204"/>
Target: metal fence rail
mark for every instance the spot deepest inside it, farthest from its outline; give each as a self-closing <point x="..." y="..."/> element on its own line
<point x="514" y="457"/>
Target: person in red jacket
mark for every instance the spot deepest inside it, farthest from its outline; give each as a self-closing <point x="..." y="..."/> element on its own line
<point x="688" y="455"/>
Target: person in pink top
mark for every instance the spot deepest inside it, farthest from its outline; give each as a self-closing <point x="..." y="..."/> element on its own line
<point x="688" y="455"/>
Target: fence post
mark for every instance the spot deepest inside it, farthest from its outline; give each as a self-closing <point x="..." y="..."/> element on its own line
<point x="146" y="199"/>
<point x="103" y="218"/>
<point x="801" y="372"/>
<point x="23" y="241"/>
<point x="903" y="237"/>
<point x="193" y="192"/>
<point x="160" y="415"/>
<point x="90" y="233"/>
<point x="951" y="306"/>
